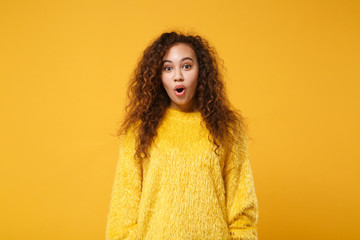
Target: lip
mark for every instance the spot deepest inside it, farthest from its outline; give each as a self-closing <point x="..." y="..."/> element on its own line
<point x="179" y="86"/>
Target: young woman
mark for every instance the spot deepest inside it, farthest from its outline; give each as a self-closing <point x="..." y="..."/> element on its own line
<point x="183" y="169"/>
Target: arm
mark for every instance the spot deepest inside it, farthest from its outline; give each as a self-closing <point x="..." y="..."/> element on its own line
<point x="126" y="193"/>
<point x="241" y="200"/>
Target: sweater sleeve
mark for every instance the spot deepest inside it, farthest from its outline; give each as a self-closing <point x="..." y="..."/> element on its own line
<point x="241" y="200"/>
<point x="125" y="196"/>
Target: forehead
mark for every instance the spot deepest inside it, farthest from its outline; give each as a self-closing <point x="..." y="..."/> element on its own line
<point x="180" y="50"/>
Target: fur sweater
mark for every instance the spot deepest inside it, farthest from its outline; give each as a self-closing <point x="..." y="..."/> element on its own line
<point x="184" y="191"/>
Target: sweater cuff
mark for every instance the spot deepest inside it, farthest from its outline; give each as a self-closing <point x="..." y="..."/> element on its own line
<point x="132" y="233"/>
<point x="249" y="233"/>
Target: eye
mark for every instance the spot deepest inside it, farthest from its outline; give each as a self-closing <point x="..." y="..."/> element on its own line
<point x="167" y="68"/>
<point x="187" y="66"/>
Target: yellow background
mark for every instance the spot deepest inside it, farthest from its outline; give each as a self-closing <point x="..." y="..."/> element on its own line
<point x="292" y="69"/>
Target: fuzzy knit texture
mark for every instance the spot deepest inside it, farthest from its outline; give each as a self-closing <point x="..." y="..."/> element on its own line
<point x="184" y="191"/>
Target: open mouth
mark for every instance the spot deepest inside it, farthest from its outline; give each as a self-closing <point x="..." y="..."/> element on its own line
<point x="179" y="91"/>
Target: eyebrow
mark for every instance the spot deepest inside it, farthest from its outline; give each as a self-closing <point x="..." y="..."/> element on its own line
<point x="185" y="58"/>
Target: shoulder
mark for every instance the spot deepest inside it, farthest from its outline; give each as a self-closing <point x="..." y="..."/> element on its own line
<point x="128" y="139"/>
<point x="238" y="138"/>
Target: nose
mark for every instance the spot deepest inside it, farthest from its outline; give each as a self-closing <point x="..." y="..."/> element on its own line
<point x="178" y="75"/>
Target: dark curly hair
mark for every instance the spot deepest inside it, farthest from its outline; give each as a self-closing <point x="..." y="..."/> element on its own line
<point x="148" y="99"/>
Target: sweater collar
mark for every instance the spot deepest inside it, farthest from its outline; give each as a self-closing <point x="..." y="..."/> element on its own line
<point x="173" y="113"/>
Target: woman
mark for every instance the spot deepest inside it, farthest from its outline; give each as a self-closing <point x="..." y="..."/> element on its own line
<point x="183" y="169"/>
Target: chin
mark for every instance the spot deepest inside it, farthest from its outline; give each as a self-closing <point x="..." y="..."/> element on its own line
<point x="181" y="103"/>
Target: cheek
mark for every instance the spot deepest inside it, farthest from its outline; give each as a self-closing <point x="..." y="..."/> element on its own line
<point x="163" y="80"/>
<point x="165" y="83"/>
<point x="194" y="79"/>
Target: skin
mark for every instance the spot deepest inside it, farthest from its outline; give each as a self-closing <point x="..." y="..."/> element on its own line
<point x="180" y="66"/>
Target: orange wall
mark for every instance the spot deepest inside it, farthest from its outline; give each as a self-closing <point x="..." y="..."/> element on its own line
<point x="292" y="69"/>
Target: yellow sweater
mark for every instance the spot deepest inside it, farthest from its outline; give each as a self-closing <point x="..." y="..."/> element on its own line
<point x="183" y="191"/>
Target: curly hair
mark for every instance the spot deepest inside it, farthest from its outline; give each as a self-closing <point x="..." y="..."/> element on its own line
<point x="148" y="100"/>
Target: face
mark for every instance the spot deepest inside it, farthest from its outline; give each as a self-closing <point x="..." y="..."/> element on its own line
<point x="179" y="76"/>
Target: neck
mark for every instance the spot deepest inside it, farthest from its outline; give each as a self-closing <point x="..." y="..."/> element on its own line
<point x="190" y="107"/>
